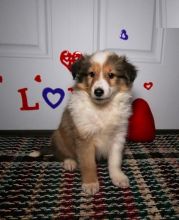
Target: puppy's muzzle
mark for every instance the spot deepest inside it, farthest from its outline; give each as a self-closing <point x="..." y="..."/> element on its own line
<point x="98" y="92"/>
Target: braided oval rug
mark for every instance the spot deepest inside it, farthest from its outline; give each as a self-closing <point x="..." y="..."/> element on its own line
<point x="42" y="189"/>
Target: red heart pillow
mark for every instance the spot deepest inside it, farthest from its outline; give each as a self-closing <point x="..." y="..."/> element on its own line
<point x="141" y="123"/>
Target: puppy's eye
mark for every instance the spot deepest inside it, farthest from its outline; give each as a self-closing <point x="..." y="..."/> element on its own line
<point x="111" y="75"/>
<point x="92" y="74"/>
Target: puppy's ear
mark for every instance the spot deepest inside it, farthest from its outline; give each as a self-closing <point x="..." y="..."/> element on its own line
<point x="76" y="66"/>
<point x="80" y="68"/>
<point x="130" y="70"/>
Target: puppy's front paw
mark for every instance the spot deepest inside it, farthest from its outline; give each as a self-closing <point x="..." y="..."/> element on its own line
<point x="90" y="188"/>
<point x="120" y="179"/>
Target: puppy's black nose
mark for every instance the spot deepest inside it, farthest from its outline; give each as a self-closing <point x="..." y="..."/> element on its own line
<point x="98" y="92"/>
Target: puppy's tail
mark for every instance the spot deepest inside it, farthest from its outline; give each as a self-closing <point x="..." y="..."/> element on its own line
<point x="46" y="150"/>
<point x="35" y="154"/>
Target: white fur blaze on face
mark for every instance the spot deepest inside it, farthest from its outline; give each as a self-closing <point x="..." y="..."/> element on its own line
<point x="100" y="57"/>
<point x="104" y="86"/>
<point x="101" y="84"/>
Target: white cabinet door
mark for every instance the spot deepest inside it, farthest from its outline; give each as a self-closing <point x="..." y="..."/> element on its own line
<point x="170" y="14"/>
<point x="130" y="26"/>
<point x="136" y="17"/>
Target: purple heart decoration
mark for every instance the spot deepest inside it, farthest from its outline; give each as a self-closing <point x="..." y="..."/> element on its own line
<point x="59" y="91"/>
<point x="124" y="35"/>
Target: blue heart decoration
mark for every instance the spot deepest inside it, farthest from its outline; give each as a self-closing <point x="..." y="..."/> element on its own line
<point x="48" y="90"/>
<point x="124" y="35"/>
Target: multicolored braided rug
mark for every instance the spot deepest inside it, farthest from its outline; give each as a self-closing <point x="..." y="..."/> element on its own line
<point x="42" y="189"/>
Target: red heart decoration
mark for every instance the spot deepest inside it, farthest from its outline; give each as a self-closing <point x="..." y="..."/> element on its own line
<point x="70" y="89"/>
<point x="67" y="58"/>
<point x="1" y="79"/>
<point x="38" y="78"/>
<point x="141" y="123"/>
<point x="148" y="85"/>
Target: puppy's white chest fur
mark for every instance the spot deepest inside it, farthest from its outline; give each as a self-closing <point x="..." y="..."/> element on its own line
<point x="101" y="123"/>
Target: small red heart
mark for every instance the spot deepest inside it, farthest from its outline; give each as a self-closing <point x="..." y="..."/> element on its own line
<point x="70" y="89"/>
<point x="148" y="85"/>
<point x="1" y="79"/>
<point x="37" y="78"/>
<point x="67" y="58"/>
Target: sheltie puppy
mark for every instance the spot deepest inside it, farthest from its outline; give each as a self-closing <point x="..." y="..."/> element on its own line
<point x="95" y="121"/>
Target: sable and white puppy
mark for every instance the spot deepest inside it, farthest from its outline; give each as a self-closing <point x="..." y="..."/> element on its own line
<point x="94" y="123"/>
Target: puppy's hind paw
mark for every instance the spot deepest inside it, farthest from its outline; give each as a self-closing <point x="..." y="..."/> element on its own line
<point x="69" y="164"/>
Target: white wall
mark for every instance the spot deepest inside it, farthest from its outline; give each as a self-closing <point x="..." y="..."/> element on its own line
<point x="31" y="46"/>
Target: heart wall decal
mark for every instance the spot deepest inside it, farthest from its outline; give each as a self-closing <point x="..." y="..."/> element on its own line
<point x="1" y="79"/>
<point x="59" y="92"/>
<point x="124" y="35"/>
<point x="67" y="58"/>
<point x="37" y="78"/>
<point x="148" y="85"/>
<point x="70" y="89"/>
